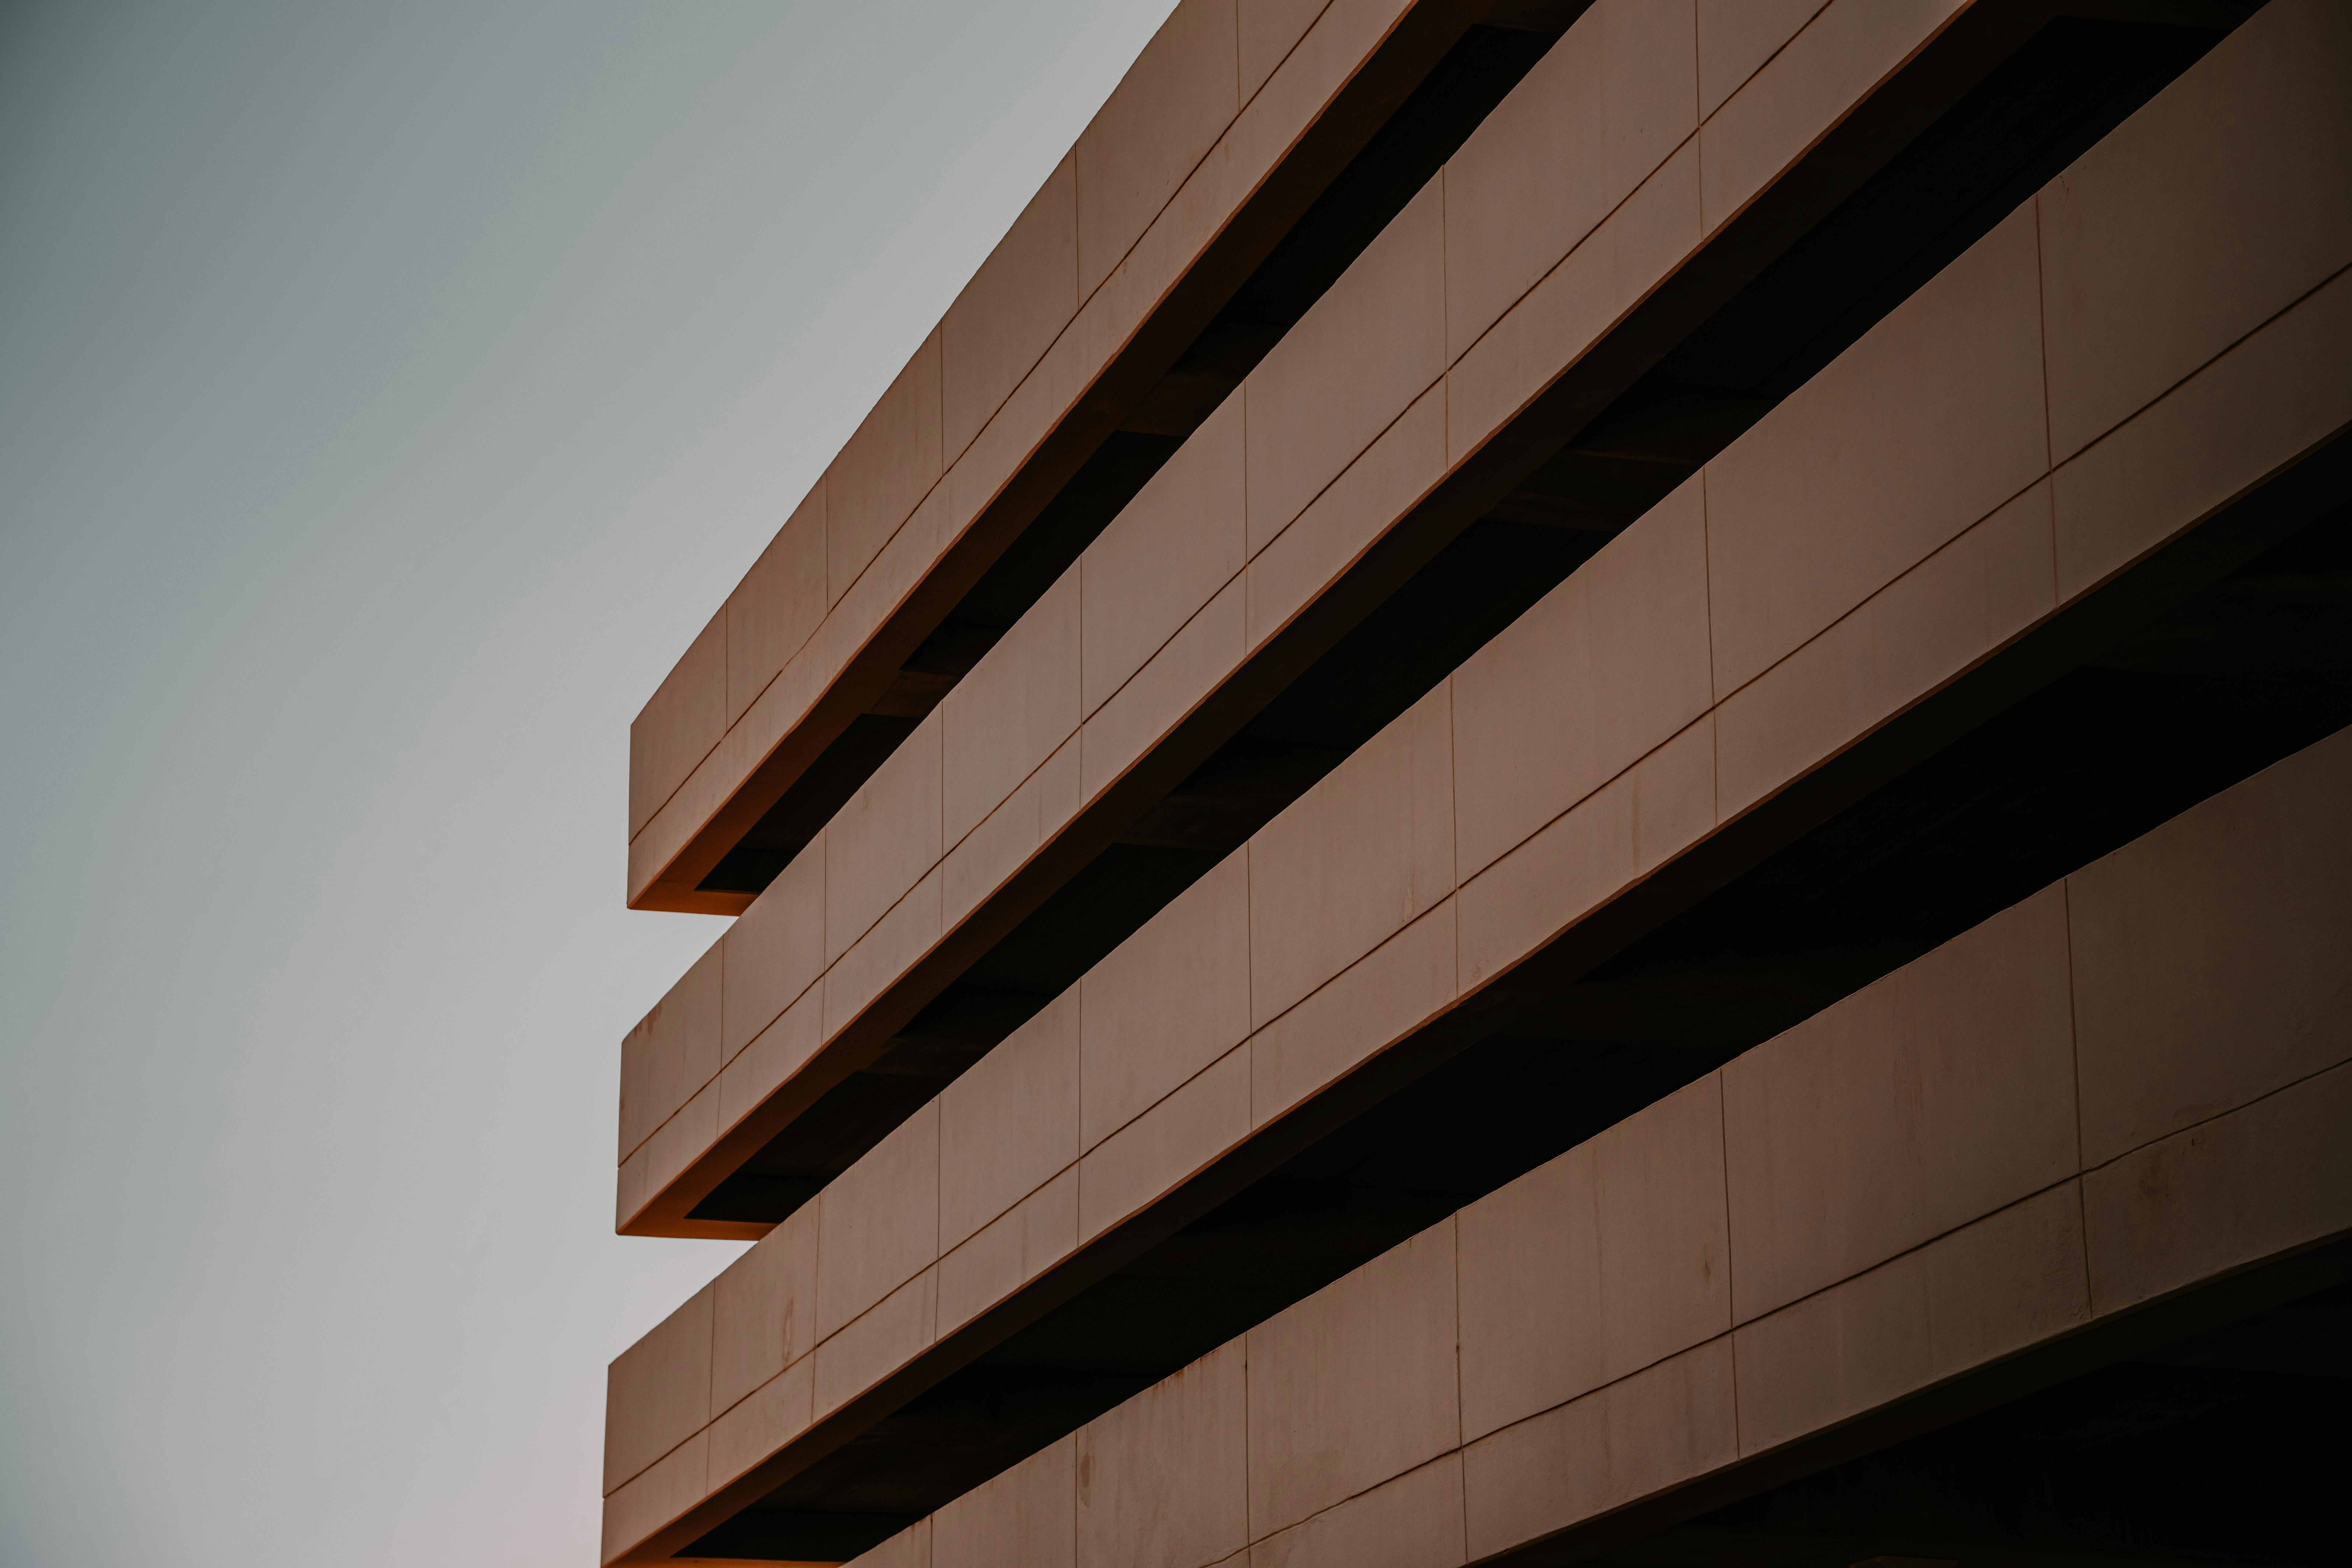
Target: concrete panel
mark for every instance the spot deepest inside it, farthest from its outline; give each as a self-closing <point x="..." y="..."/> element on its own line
<point x="1165" y="1145"/>
<point x="1269" y="29"/>
<point x="910" y="553"/>
<point x="1361" y="353"/>
<point x="1397" y="986"/>
<point x="1598" y="113"/>
<point x="1045" y="394"/>
<point x="2258" y="407"/>
<point x="1015" y="830"/>
<point x="1354" y="1385"/>
<point x="1166" y="554"/>
<point x="1011" y="312"/>
<point x="1938" y="1094"/>
<point x="1595" y="675"/>
<point x="1011" y="1122"/>
<point x="879" y="1221"/>
<point x="891" y="1334"/>
<point x="764" y="1309"/>
<point x="1630" y="1441"/>
<point x="1006" y="717"/>
<point x="1160" y="694"/>
<point x="1166" y="1001"/>
<point x="1575" y="304"/>
<point x="1619" y="833"/>
<point x="1025" y="1518"/>
<point x="1300" y="89"/>
<point x="1900" y="645"/>
<point x="1011" y="1250"/>
<point x="1413" y="1522"/>
<point x="882" y="471"/>
<point x="2272" y="1175"/>
<point x="883" y="838"/>
<point x="677" y="1142"/>
<point x="1169" y="110"/>
<point x="780" y="1050"/>
<point x="1359" y="506"/>
<point x="905" y="558"/>
<point x="629" y="1190"/>
<point x="1530" y="1294"/>
<point x="1675" y="799"/>
<point x="2009" y="1280"/>
<point x="1611" y="1257"/>
<point x="657" y="1391"/>
<point x="778" y="605"/>
<point x="1665" y="1250"/>
<point x="2213" y="957"/>
<point x="775" y="949"/>
<point x="679" y="724"/>
<point x="1736" y="37"/>
<point x="656" y="1497"/>
<point x="673" y="1051"/>
<point x="2151" y="264"/>
<point x="1926" y="424"/>
<point x="1354" y="859"/>
<point x="763" y="1421"/>
<point x="882" y="954"/>
<point x="1163" y="1478"/>
<point x="1804" y="90"/>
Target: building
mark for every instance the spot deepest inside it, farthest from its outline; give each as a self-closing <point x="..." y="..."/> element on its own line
<point x="1567" y="780"/>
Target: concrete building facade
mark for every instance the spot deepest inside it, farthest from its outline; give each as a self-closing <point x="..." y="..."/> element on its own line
<point x="1569" y="781"/>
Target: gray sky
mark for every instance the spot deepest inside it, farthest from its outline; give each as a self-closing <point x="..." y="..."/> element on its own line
<point x="387" y="393"/>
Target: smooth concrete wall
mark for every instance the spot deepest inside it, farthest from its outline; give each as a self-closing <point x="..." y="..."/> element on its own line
<point x="1902" y="1190"/>
<point x="1211" y="108"/>
<point x="1558" y="767"/>
<point x="1488" y="284"/>
<point x="1890" y="524"/>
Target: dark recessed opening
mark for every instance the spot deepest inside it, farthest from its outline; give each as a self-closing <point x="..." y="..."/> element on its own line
<point x="1432" y="124"/>
<point x="2021" y="125"/>
<point x="2224" y="653"/>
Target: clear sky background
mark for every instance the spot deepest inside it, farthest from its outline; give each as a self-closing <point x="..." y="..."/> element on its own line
<point x="388" y="392"/>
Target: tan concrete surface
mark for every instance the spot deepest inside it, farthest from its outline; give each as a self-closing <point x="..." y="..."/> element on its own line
<point x="1020" y="703"/>
<point x="657" y="1391"/>
<point x="1365" y="350"/>
<point x="1025" y="1518"/>
<point x="2143" y="241"/>
<point x="878" y="1221"/>
<point x="2208" y="956"/>
<point x="1736" y="37"/>
<point x="1166" y="1003"/>
<point x="1165" y="556"/>
<point x="1599" y="110"/>
<point x="1015" y="307"/>
<point x="1802" y="91"/>
<point x="1162" y="1480"/>
<point x="1010" y="1122"/>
